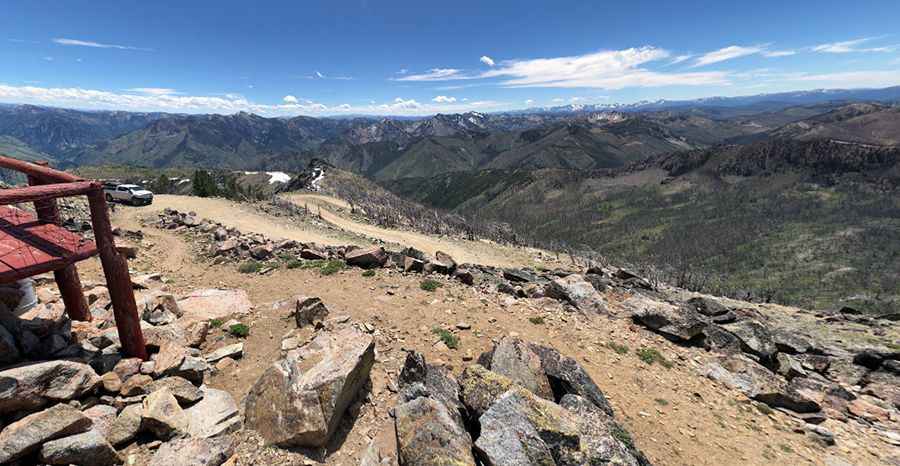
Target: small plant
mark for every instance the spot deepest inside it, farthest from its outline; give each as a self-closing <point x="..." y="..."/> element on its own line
<point x="250" y="267"/>
<point x="662" y="401"/>
<point x="619" y="433"/>
<point x="537" y="320"/>
<point x="430" y="285"/>
<point x="294" y="264"/>
<point x="786" y="448"/>
<point x="368" y="273"/>
<point x="618" y="347"/>
<point x="215" y="323"/>
<point x="652" y="355"/>
<point x="239" y="330"/>
<point x="449" y="339"/>
<point x="764" y="408"/>
<point x="332" y="267"/>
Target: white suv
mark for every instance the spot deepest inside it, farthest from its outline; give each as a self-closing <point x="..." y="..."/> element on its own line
<point x="127" y="193"/>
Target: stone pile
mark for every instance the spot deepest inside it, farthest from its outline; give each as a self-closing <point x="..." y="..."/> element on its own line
<point x="85" y="409"/>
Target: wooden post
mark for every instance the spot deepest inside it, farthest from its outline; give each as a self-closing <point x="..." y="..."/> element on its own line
<point x="118" y="280"/>
<point x="67" y="279"/>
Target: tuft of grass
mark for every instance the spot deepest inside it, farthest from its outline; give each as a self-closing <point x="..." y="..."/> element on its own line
<point x="786" y="448"/>
<point x="652" y="355"/>
<point x="662" y="401"/>
<point x="449" y="339"/>
<point x="332" y="267"/>
<point x="537" y="320"/>
<point x="368" y="273"/>
<point x="619" y="433"/>
<point x="215" y="323"/>
<point x="430" y="285"/>
<point x="294" y="263"/>
<point x="764" y="408"/>
<point x="250" y="266"/>
<point x="239" y="330"/>
<point x="618" y="347"/>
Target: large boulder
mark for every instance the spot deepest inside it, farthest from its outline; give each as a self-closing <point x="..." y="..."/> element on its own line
<point x="374" y="256"/>
<point x="9" y="351"/>
<point x="417" y="378"/>
<point x="678" y="323"/>
<point x="195" y="452"/>
<point x="707" y="306"/>
<point x="760" y="384"/>
<point x="427" y="434"/>
<point x="300" y="399"/>
<point x="159" y="308"/>
<point x="479" y="388"/>
<point x="755" y="339"/>
<point x="162" y="415"/>
<point x="523" y="429"/>
<point x="577" y="291"/>
<point x="32" y="386"/>
<point x="89" y="447"/>
<point x="309" y="310"/>
<point x="126" y="426"/>
<point x="209" y="304"/>
<point x="29" y="433"/>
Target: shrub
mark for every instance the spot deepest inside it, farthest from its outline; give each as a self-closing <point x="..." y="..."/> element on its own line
<point x="239" y="330"/>
<point x="662" y="401"/>
<point x="215" y="323"/>
<point x="368" y="273"/>
<point x="332" y="267"/>
<point x="618" y="347"/>
<point x="622" y="435"/>
<point x="250" y="267"/>
<point x="294" y="264"/>
<point x="449" y="339"/>
<point x="652" y="355"/>
<point x="537" y="320"/>
<point x="430" y="285"/>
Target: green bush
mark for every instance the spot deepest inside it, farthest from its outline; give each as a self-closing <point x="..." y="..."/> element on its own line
<point x="368" y="273"/>
<point x="215" y="323"/>
<point x="449" y="339"/>
<point x="294" y="264"/>
<point x="652" y="355"/>
<point x="239" y="330"/>
<point x="250" y="267"/>
<point x="618" y="347"/>
<point x="430" y="285"/>
<point x="537" y="320"/>
<point x="332" y="267"/>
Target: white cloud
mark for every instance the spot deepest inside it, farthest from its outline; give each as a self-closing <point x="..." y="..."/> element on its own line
<point x="529" y="101"/>
<point x="153" y="90"/>
<point x="727" y="53"/>
<point x="680" y="59"/>
<point x="97" y="45"/>
<point x="778" y="53"/>
<point x="442" y="99"/>
<point x="850" y="46"/>
<point x="487" y="60"/>
<point x="320" y="75"/>
<point x="435" y="74"/>
<point x="289" y="99"/>
<point x="403" y="71"/>
<point x="848" y="79"/>
<point x="557" y="99"/>
<point x="614" y="69"/>
<point x="48" y="58"/>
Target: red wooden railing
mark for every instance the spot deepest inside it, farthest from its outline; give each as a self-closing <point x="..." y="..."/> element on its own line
<point x="46" y="185"/>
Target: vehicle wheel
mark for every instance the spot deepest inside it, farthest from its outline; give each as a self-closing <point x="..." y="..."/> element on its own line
<point x="109" y="198"/>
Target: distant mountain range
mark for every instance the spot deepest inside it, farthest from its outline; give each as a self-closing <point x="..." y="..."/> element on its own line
<point x="569" y="137"/>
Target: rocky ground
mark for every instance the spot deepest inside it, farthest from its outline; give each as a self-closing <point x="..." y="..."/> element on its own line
<point x="281" y="352"/>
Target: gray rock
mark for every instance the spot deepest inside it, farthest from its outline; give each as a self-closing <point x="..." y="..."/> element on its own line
<point x="27" y="434"/>
<point x="162" y="415"/>
<point x="480" y="388"/>
<point x="195" y="452"/>
<point x="788" y="367"/>
<point x="32" y="386"/>
<point x="9" y="352"/>
<point x="603" y="440"/>
<point x="707" y="306"/>
<point x="420" y="379"/>
<point x="309" y="310"/>
<point x="102" y="418"/>
<point x="159" y="309"/>
<point x="760" y="384"/>
<point x="755" y="339"/>
<point x="411" y="264"/>
<point x="87" y="448"/>
<point x="514" y="359"/>
<point x="790" y="342"/>
<point x="716" y="338"/>
<point x="374" y="256"/>
<point x="300" y="400"/>
<point x="574" y="289"/>
<point x="568" y="377"/>
<point x="126" y="426"/>
<point x="681" y="324"/>
<point x="428" y="435"/>
<point x="214" y="415"/>
<point x="233" y="351"/>
<point x="183" y="390"/>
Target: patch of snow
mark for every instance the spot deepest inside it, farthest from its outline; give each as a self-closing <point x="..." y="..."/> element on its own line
<point x="278" y="177"/>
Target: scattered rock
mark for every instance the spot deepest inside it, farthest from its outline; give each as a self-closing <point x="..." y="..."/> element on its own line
<point x="32" y="386"/>
<point x="681" y="324"/>
<point x="428" y="435"/>
<point x="195" y="452"/>
<point x="29" y="433"/>
<point x="183" y="390"/>
<point x="233" y="351"/>
<point x="374" y="256"/>
<point x="309" y="310"/>
<point x="162" y="415"/>
<point x="89" y="447"/>
<point x="215" y="414"/>
<point x="127" y="425"/>
<point x="575" y="290"/>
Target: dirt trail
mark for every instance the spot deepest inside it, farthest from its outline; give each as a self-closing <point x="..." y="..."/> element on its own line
<point x="243" y="217"/>
<point x="476" y="252"/>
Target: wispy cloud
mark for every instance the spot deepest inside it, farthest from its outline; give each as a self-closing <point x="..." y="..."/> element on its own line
<point x="847" y="79"/>
<point x="228" y="103"/>
<point x="48" y="58"/>
<point x="442" y="99"/>
<point x="96" y="45"/>
<point x="154" y="90"/>
<point x="529" y="101"/>
<point x="851" y="46"/>
<point x="435" y="74"/>
<point x="320" y="75"/>
<point x="680" y="59"/>
<point x="487" y="60"/>
<point x="778" y="53"/>
<point x="727" y="53"/>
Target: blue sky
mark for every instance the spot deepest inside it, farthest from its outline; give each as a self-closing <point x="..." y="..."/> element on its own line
<point x="420" y="57"/>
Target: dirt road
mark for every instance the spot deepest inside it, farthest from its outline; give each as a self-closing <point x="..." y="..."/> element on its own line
<point x="476" y="252"/>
